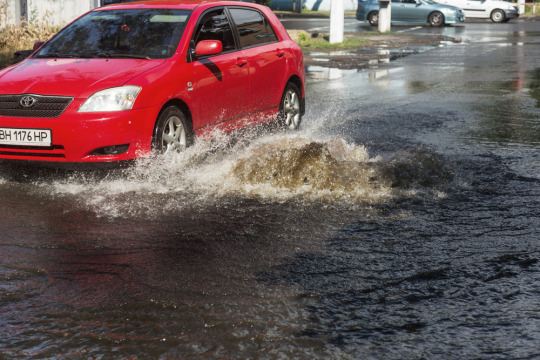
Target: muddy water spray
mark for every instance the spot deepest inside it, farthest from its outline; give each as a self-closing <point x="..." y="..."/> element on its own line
<point x="274" y="167"/>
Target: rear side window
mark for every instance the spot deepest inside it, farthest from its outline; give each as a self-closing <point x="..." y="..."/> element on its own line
<point x="253" y="27"/>
<point x="214" y="25"/>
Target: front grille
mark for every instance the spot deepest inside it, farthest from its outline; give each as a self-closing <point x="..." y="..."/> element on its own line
<point x="38" y="106"/>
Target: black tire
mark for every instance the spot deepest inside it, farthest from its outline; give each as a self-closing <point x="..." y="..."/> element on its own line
<point x="436" y="19"/>
<point x="172" y="132"/>
<point x="290" y="108"/>
<point x="497" y="16"/>
<point x="373" y="18"/>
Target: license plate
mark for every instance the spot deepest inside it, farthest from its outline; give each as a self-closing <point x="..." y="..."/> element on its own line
<point x="25" y="137"/>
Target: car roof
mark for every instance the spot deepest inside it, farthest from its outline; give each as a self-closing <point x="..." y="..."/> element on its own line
<point x="180" y="4"/>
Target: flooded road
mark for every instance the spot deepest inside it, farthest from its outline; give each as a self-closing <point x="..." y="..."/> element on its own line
<point x="400" y="222"/>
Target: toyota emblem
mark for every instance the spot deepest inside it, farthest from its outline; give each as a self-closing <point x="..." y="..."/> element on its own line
<point x="28" y="101"/>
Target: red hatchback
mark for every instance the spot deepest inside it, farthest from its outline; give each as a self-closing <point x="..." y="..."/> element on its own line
<point x="126" y="79"/>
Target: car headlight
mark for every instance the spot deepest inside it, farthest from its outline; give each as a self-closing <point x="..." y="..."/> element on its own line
<point x="113" y="99"/>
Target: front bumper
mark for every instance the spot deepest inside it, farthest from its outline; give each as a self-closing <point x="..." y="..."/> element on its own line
<point x="511" y="14"/>
<point x="453" y="17"/>
<point x="455" y="20"/>
<point x="86" y="137"/>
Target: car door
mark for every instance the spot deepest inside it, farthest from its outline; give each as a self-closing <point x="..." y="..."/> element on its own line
<point x="397" y="11"/>
<point x="407" y="10"/>
<point x="475" y="9"/>
<point x="265" y="55"/>
<point x="462" y="4"/>
<point x="221" y="86"/>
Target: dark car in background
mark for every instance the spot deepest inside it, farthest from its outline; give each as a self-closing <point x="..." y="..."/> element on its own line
<point x="285" y="5"/>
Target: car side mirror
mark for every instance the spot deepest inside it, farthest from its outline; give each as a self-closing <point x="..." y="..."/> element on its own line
<point x="208" y="47"/>
<point x="38" y="44"/>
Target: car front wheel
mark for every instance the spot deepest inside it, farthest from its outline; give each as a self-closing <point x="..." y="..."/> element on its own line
<point x="497" y="16"/>
<point x="172" y="133"/>
<point x="436" y="19"/>
<point x="290" y="114"/>
<point x="373" y="18"/>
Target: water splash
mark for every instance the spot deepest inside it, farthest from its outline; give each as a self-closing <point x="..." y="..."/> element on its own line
<point x="329" y="170"/>
<point x="269" y="167"/>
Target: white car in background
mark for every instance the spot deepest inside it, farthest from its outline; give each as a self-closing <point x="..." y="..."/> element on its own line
<point x="497" y="11"/>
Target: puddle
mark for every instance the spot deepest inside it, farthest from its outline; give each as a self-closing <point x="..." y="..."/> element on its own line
<point x="337" y="64"/>
<point x="328" y="73"/>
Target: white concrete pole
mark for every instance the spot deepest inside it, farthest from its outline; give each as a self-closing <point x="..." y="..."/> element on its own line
<point x="337" y="19"/>
<point x="385" y="15"/>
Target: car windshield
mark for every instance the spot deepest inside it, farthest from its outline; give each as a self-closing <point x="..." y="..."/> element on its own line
<point x="133" y="33"/>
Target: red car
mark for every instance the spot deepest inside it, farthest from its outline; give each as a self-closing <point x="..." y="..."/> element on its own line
<point x="126" y="79"/>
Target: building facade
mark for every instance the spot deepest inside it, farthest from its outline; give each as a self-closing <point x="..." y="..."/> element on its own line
<point x="60" y="11"/>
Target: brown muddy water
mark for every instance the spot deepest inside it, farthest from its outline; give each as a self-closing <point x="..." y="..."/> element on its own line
<point x="400" y="222"/>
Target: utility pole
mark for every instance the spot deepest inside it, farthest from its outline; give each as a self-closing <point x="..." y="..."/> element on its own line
<point x="337" y="15"/>
<point x="385" y="15"/>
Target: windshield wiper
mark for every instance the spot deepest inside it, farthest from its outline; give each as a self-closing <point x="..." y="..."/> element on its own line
<point x="132" y="56"/>
<point x="116" y="56"/>
<point x="56" y="55"/>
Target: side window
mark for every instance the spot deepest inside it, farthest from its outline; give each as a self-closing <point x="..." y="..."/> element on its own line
<point x="214" y="25"/>
<point x="253" y="27"/>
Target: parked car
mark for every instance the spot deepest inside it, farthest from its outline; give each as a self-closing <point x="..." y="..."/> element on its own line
<point x="411" y="11"/>
<point x="285" y="5"/>
<point x="497" y="11"/>
<point x="325" y="5"/>
<point x="126" y="79"/>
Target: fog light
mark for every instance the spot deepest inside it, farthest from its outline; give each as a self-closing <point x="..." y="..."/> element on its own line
<point x="110" y="150"/>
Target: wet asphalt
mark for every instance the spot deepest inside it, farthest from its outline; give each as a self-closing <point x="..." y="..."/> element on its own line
<point x="400" y="222"/>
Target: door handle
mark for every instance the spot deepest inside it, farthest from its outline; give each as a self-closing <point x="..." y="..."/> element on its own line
<point x="241" y="62"/>
<point x="280" y="52"/>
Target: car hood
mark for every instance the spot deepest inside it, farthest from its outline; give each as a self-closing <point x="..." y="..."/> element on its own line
<point x="78" y="78"/>
<point x="449" y="7"/>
